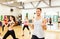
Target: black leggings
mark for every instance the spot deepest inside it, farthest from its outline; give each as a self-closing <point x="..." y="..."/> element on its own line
<point x="3" y="27"/>
<point x="12" y="33"/>
<point x="35" y="37"/>
<point x="25" y="26"/>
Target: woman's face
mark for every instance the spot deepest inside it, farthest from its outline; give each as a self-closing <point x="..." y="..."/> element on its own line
<point x="11" y="18"/>
<point x="38" y="12"/>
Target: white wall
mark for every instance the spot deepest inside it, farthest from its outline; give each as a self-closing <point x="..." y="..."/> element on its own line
<point x="5" y="10"/>
<point x="51" y="11"/>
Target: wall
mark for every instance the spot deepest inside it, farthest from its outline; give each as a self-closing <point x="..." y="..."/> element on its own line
<point x="5" y="10"/>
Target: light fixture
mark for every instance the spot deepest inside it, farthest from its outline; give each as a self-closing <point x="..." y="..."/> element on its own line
<point x="9" y="2"/>
<point x="20" y="0"/>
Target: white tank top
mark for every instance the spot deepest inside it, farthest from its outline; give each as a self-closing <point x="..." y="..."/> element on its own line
<point x="38" y="31"/>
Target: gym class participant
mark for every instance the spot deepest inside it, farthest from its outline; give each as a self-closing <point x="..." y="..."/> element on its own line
<point x="10" y="28"/>
<point x="5" y="22"/>
<point x="26" y="25"/>
<point x="38" y="24"/>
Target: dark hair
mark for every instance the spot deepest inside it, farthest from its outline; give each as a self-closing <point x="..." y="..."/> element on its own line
<point x="13" y="18"/>
<point x="39" y="9"/>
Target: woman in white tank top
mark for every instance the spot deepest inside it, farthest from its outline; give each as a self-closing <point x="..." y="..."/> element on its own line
<point x="38" y="32"/>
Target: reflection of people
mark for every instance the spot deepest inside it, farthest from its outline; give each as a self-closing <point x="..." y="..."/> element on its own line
<point x="10" y="28"/>
<point x="26" y="25"/>
<point x="38" y="24"/>
<point x="50" y="20"/>
<point x="19" y="20"/>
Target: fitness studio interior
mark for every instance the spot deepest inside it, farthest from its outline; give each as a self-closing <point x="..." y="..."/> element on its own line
<point x="19" y="19"/>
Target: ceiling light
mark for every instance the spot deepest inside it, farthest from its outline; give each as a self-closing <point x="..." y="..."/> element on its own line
<point x="20" y="0"/>
<point x="9" y="2"/>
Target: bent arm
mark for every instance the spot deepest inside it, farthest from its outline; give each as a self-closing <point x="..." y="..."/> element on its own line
<point x="44" y="24"/>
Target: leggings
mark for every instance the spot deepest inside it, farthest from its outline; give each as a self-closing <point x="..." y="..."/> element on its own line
<point x="3" y="27"/>
<point x="25" y="26"/>
<point x="12" y="33"/>
<point x="35" y="37"/>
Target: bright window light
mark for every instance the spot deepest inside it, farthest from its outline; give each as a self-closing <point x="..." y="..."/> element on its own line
<point x="20" y="0"/>
<point x="9" y="2"/>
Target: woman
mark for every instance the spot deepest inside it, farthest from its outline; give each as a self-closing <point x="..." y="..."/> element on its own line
<point x="5" y="22"/>
<point x="10" y="28"/>
<point x="38" y="23"/>
<point x="26" y="25"/>
<point x="50" y="20"/>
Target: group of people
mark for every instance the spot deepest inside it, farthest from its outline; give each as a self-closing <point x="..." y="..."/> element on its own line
<point x="38" y="23"/>
<point x="10" y="24"/>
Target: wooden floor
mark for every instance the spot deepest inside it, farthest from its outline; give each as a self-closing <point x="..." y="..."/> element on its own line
<point x="18" y="31"/>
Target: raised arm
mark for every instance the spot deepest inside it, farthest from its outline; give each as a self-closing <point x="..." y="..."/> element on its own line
<point x="44" y="24"/>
